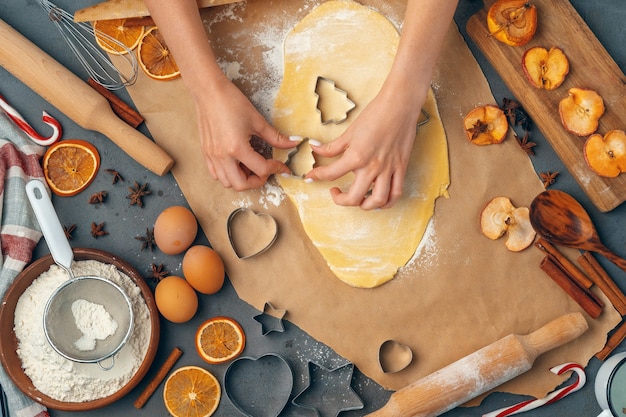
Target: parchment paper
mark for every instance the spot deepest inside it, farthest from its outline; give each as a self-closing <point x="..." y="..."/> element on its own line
<point x="461" y="291"/>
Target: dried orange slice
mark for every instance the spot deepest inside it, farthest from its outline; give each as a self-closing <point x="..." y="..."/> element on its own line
<point x="220" y="339"/>
<point x="155" y="58"/>
<point x="191" y="391"/>
<point x="115" y="29"/>
<point x="70" y="165"/>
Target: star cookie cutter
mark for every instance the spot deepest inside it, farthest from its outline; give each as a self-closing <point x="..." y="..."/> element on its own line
<point x="271" y="319"/>
<point x="329" y="391"/>
<point x="350" y="104"/>
<point x="250" y="233"/>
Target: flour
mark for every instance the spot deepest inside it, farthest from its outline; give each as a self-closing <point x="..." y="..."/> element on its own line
<point x="57" y="377"/>
<point x="94" y="322"/>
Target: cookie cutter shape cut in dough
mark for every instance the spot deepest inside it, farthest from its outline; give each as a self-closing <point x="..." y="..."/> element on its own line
<point x="325" y="87"/>
<point x="259" y="387"/>
<point x="393" y="356"/>
<point x="329" y="391"/>
<point x="271" y="319"/>
<point x="251" y="233"/>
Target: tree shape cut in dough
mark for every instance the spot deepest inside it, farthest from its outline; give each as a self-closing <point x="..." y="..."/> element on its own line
<point x="333" y="103"/>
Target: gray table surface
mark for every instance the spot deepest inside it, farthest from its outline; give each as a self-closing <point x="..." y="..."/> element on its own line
<point x="606" y="19"/>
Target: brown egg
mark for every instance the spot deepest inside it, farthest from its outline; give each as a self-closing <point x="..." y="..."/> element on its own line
<point x="203" y="268"/>
<point x="176" y="299"/>
<point x="175" y="230"/>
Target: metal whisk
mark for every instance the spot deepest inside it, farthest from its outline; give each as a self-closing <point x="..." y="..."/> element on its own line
<point x="80" y="37"/>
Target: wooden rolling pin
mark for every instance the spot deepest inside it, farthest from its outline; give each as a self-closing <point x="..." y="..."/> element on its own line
<point x="75" y="98"/>
<point x="481" y="371"/>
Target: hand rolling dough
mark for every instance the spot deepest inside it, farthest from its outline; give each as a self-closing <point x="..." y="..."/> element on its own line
<point x="354" y="46"/>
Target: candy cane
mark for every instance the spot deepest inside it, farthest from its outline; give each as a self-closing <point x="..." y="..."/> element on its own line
<point x="550" y="398"/>
<point x="23" y="124"/>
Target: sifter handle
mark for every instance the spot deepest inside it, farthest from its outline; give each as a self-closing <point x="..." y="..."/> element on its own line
<point x="50" y="224"/>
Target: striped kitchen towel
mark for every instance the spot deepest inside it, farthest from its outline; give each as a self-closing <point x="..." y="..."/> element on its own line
<point x="19" y="232"/>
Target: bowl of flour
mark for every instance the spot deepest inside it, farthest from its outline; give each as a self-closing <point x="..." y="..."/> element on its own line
<point x="51" y="379"/>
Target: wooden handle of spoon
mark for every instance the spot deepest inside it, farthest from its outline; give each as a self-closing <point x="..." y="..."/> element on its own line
<point x="72" y="96"/>
<point x="611" y="256"/>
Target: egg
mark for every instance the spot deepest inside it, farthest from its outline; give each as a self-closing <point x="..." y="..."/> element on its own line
<point x="175" y="230"/>
<point x="203" y="268"/>
<point x="176" y="299"/>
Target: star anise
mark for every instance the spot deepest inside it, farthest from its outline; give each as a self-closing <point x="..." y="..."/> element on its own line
<point x="68" y="230"/>
<point x="136" y="193"/>
<point x="98" y="198"/>
<point x="157" y="273"/>
<point x="548" y="178"/>
<point x="116" y="176"/>
<point x="515" y="113"/>
<point x="478" y="128"/>
<point x="97" y="230"/>
<point x="526" y="144"/>
<point x="147" y="241"/>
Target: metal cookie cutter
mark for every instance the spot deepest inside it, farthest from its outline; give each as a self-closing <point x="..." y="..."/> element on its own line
<point x="259" y="387"/>
<point x="425" y="118"/>
<point x="329" y="391"/>
<point x="251" y="233"/>
<point x="350" y="104"/>
<point x="271" y="319"/>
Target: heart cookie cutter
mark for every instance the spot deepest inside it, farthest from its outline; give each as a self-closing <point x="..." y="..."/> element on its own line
<point x="251" y="233"/>
<point x="393" y="356"/>
<point x="245" y="375"/>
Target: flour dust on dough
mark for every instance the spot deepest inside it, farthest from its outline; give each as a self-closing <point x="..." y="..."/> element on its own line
<point x="354" y="46"/>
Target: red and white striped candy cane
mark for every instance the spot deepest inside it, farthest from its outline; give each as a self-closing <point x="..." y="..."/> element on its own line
<point x="57" y="131"/>
<point x="550" y="398"/>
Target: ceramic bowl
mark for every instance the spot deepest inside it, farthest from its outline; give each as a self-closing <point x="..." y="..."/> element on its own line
<point x="8" y="342"/>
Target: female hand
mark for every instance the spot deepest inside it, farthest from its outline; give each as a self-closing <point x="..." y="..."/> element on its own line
<point x="227" y="121"/>
<point x="376" y="147"/>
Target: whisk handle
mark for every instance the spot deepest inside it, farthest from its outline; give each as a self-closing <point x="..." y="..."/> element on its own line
<point x="75" y="98"/>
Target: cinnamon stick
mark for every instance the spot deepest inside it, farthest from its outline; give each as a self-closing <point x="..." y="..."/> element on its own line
<point x="602" y="279"/>
<point x="119" y="107"/>
<point x="587" y="300"/>
<point x="158" y="378"/>
<point x="618" y="336"/>
<point x="576" y="274"/>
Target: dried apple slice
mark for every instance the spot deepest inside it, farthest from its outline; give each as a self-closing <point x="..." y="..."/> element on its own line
<point x="513" y="22"/>
<point x="486" y="125"/>
<point x="500" y="217"/>
<point x="545" y="68"/>
<point x="606" y="155"/>
<point x="581" y="110"/>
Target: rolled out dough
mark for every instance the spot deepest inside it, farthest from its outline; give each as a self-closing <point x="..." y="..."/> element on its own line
<point x="354" y="46"/>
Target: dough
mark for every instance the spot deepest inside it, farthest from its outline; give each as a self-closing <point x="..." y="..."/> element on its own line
<point x="354" y="46"/>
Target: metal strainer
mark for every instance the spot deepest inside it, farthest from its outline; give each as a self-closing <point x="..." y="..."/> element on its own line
<point x="60" y="325"/>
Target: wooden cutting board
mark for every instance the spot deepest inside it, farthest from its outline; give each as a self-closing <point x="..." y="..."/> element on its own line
<point x="590" y="66"/>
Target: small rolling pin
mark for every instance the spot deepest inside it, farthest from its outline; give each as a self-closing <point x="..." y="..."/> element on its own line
<point x="481" y="371"/>
<point x="72" y="96"/>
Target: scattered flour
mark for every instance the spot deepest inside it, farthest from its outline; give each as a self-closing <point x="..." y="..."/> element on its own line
<point x="58" y="377"/>
<point x="94" y="322"/>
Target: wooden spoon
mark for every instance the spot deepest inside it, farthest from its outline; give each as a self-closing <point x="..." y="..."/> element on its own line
<point x="560" y="219"/>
